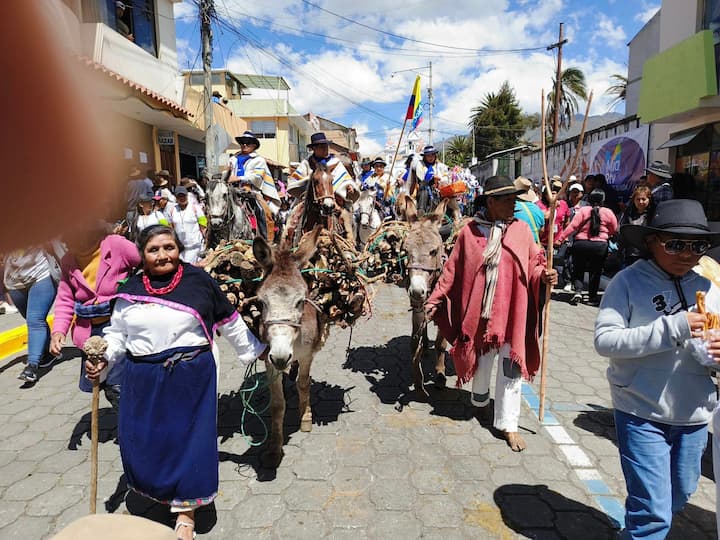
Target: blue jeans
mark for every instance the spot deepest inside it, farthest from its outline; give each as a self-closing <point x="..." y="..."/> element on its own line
<point x="34" y="304"/>
<point x="661" y="464"/>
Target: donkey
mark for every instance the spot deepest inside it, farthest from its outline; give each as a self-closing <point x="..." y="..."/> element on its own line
<point x="227" y="219"/>
<point x="293" y="327"/>
<point x="369" y="217"/>
<point x="426" y="255"/>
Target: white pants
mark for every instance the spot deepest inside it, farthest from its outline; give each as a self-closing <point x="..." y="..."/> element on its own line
<point x="191" y="254"/>
<point x="508" y="387"/>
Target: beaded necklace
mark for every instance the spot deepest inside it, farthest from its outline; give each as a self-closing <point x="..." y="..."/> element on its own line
<point x="167" y="288"/>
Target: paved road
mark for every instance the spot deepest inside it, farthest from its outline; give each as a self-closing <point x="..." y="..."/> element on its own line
<point x="377" y="464"/>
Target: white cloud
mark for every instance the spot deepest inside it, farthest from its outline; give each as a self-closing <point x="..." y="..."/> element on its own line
<point x="648" y="12"/>
<point x="609" y="33"/>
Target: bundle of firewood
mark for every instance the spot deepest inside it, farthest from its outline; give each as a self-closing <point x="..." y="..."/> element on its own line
<point x="334" y="286"/>
<point x="384" y="258"/>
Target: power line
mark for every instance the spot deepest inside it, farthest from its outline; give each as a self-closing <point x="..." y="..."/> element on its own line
<point x="397" y="36"/>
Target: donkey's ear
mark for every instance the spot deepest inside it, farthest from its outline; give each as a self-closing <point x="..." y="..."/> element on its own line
<point x="441" y="208"/>
<point x="410" y="209"/>
<point x="263" y="252"/>
<point x="307" y="247"/>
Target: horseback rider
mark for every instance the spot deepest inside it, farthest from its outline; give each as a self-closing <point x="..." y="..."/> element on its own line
<point x="426" y="176"/>
<point x="344" y="186"/>
<point x="366" y="169"/>
<point x="250" y="170"/>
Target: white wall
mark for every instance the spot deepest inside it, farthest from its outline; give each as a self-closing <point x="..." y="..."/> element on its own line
<point x="109" y="48"/>
<point x="643" y="46"/>
<point x="680" y="20"/>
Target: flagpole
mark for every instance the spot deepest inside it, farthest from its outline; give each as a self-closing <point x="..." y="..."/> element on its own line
<point x="397" y="149"/>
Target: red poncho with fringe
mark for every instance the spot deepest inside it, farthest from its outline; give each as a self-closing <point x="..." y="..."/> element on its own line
<point x="516" y="308"/>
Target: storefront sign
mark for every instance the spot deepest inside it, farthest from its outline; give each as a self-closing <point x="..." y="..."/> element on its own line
<point x="166" y="138"/>
<point x="621" y="159"/>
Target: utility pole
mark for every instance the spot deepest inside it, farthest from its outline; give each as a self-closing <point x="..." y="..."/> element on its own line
<point x="207" y="11"/>
<point x="430" y="106"/>
<point x="558" y="83"/>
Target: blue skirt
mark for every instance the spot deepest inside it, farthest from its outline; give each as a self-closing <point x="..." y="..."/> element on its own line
<point x="168" y="426"/>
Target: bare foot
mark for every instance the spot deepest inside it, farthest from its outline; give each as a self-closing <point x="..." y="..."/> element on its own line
<point x="184" y="527"/>
<point x="514" y="441"/>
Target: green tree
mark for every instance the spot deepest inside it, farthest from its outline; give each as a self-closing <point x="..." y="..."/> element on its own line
<point x="572" y="87"/>
<point x="617" y="89"/>
<point x="458" y="151"/>
<point x="497" y="122"/>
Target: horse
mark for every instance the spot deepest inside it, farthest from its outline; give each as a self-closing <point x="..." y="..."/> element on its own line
<point x="227" y="219"/>
<point x="317" y="208"/>
<point x="425" y="258"/>
<point x="294" y="328"/>
<point x="368" y="216"/>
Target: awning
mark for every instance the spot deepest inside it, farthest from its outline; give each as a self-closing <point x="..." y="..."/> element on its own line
<point x="681" y="138"/>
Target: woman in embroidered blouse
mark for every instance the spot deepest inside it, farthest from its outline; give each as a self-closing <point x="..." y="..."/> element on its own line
<point x="163" y="324"/>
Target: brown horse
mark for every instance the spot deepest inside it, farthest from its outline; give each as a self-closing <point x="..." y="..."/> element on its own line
<point x="293" y="327"/>
<point x="319" y="207"/>
<point x="426" y="255"/>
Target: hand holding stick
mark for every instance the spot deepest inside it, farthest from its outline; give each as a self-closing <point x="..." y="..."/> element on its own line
<point x="94" y="348"/>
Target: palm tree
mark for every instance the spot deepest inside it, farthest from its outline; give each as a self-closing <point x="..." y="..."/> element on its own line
<point x="618" y="89"/>
<point x="497" y="121"/>
<point x="458" y="151"/>
<point x="572" y="87"/>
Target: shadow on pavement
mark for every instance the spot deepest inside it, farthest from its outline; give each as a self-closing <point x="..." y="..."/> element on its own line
<point x="534" y="511"/>
<point x="236" y="418"/>
<point x="601" y="422"/>
<point x="107" y="428"/>
<point x="388" y="370"/>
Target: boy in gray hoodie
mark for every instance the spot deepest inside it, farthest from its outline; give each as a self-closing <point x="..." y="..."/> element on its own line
<point x="663" y="397"/>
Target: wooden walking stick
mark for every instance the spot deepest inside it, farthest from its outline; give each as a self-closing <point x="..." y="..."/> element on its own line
<point x="94" y="348"/>
<point x="552" y="201"/>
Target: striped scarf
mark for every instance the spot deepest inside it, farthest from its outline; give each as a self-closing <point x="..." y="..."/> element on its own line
<point x="491" y="260"/>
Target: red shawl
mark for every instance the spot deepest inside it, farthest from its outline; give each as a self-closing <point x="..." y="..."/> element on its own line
<point x="515" y="312"/>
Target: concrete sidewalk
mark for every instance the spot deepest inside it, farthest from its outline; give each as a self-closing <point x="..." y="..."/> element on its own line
<point x="378" y="463"/>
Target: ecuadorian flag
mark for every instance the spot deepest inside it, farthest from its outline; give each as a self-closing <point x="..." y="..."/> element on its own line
<point x="415" y="108"/>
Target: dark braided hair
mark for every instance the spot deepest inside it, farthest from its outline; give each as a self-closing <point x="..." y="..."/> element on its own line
<point x="596" y="199"/>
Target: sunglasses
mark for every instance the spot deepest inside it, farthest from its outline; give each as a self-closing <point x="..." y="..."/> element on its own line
<point x="676" y="245"/>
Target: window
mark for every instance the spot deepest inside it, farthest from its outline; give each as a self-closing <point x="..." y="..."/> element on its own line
<point x="134" y="19"/>
<point x="263" y="129"/>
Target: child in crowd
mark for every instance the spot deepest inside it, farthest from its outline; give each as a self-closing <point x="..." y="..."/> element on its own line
<point x="663" y="397"/>
<point x="637" y="213"/>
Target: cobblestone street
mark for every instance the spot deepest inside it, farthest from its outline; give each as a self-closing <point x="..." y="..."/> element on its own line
<point x="378" y="463"/>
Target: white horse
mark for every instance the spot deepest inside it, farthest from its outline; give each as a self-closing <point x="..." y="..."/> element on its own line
<point x="227" y="219"/>
<point x="368" y="216"/>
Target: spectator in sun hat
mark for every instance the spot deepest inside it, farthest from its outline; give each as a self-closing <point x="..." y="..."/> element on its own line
<point x="427" y="175"/>
<point x="526" y="208"/>
<point x="344" y="186"/>
<point x="250" y="171"/>
<point x="658" y="179"/>
<point x="662" y="395"/>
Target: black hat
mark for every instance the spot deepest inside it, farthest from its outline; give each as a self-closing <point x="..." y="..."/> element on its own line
<point x="498" y="186"/>
<point x="684" y="217"/>
<point x="379" y="161"/>
<point x="318" y="138"/>
<point x="248" y="137"/>
<point x="429" y="149"/>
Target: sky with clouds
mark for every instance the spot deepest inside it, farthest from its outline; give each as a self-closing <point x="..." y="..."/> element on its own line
<point x="339" y="56"/>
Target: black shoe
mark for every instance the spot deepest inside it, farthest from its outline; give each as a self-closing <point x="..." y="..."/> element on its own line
<point x="576" y="299"/>
<point x="48" y="360"/>
<point x="29" y="374"/>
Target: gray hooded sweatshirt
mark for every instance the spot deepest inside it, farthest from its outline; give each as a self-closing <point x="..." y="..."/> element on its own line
<point x="642" y="327"/>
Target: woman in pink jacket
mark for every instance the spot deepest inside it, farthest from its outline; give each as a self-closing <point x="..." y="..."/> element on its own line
<point x="593" y="226"/>
<point x="91" y="271"/>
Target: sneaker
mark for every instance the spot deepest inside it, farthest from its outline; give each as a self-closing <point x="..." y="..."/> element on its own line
<point x="29" y="374"/>
<point x="568" y="287"/>
<point x="7" y="309"/>
<point x="576" y="299"/>
<point x="48" y="360"/>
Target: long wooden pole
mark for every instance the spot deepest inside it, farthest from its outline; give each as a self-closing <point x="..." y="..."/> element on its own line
<point x="392" y="166"/>
<point x="550" y="223"/>
<point x="581" y="138"/>
<point x="94" y="443"/>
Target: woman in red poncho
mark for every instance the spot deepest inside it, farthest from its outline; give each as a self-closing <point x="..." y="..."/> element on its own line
<point x="487" y="304"/>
